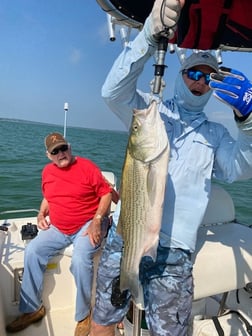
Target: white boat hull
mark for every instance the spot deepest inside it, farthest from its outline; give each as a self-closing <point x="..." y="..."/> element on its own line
<point x="223" y="264"/>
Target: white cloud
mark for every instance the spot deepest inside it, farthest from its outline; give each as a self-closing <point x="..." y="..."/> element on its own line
<point x="75" y="56"/>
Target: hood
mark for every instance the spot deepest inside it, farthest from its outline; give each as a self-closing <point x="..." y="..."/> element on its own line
<point x="190" y="107"/>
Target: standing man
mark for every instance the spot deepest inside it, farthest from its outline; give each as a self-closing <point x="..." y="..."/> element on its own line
<point x="73" y="211"/>
<point x="200" y="150"/>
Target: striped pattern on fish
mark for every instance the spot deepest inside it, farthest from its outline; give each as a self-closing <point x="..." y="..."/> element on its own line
<point x="142" y="193"/>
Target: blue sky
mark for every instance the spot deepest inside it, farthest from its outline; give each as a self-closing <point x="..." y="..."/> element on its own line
<point x="57" y="51"/>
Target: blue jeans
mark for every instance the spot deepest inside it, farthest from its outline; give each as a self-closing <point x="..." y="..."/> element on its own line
<point x="167" y="286"/>
<point x="40" y="250"/>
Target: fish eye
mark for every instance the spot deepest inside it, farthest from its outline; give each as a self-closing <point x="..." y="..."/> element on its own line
<point x="135" y="127"/>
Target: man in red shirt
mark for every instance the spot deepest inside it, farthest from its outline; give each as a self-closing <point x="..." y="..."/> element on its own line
<point x="76" y="201"/>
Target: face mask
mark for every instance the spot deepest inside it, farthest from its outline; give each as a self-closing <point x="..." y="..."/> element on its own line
<point x="189" y="105"/>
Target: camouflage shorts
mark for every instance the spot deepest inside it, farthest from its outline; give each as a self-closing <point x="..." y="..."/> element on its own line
<point x="167" y="285"/>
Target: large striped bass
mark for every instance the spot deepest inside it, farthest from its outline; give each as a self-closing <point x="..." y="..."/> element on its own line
<point x="142" y="193"/>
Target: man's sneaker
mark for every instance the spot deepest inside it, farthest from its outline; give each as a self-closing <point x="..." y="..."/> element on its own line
<point x="25" y="320"/>
<point x="83" y="327"/>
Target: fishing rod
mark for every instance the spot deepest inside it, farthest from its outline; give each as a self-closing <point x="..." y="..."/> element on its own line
<point x="160" y="66"/>
<point x="163" y="38"/>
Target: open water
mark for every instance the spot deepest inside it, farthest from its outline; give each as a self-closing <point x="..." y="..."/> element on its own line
<point x="22" y="157"/>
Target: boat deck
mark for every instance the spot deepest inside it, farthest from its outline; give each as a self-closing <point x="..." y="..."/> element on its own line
<point x="55" y="323"/>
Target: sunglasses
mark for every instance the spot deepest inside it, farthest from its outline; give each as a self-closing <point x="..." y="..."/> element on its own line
<point x="56" y="150"/>
<point x="196" y="75"/>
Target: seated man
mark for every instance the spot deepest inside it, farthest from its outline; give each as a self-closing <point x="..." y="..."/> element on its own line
<point x="77" y="199"/>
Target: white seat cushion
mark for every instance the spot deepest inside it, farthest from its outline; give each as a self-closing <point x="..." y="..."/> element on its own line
<point x="224" y="259"/>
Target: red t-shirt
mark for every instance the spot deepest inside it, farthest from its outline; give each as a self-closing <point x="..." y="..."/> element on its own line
<point x="73" y="193"/>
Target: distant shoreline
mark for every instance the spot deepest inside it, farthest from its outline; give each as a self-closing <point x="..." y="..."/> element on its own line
<point x="57" y="125"/>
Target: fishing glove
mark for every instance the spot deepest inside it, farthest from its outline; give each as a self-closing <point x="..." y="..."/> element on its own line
<point x="234" y="88"/>
<point x="164" y="17"/>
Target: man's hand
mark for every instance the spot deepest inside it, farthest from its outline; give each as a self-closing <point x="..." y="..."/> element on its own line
<point x="94" y="231"/>
<point x="164" y="17"/>
<point x="42" y="222"/>
<point x="233" y="87"/>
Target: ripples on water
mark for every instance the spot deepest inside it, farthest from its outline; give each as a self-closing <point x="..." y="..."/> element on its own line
<point x="23" y="157"/>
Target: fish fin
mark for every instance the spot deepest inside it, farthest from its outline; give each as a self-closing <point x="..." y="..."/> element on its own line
<point x="152" y="251"/>
<point x="139" y="300"/>
<point x="119" y="226"/>
<point x="131" y="282"/>
<point x="119" y="229"/>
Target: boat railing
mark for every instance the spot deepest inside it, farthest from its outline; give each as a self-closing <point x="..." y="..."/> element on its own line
<point x="18" y="211"/>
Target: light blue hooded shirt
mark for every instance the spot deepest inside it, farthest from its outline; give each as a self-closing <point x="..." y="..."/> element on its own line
<point x="199" y="149"/>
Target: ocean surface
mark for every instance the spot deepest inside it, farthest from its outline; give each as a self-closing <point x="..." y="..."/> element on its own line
<point x="22" y="157"/>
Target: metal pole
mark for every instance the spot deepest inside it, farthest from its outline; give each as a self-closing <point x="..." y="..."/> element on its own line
<point x="137" y="320"/>
<point x="65" y="122"/>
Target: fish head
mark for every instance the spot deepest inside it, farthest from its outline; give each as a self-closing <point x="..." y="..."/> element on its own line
<point x="148" y="137"/>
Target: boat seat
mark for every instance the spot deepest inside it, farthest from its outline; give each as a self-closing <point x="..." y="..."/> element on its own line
<point x="220" y="208"/>
<point x="223" y="255"/>
<point x="224" y="259"/>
